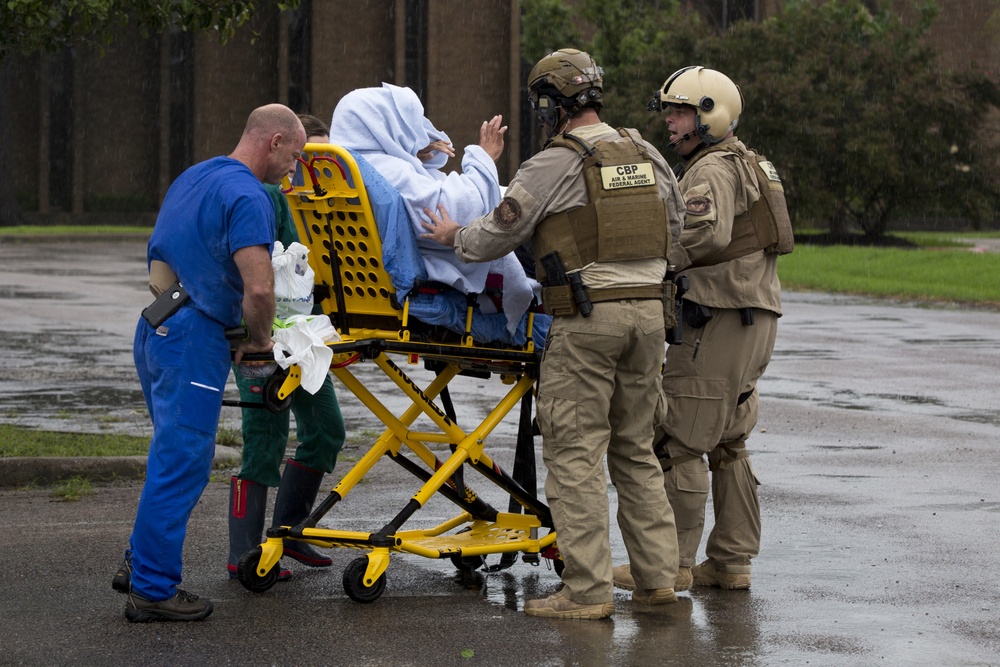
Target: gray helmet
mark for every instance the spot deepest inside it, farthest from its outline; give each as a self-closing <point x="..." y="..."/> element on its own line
<point x="567" y="78"/>
<point x="717" y="100"/>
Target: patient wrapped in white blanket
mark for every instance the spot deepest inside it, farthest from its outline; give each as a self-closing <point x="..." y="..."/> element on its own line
<point x="387" y="127"/>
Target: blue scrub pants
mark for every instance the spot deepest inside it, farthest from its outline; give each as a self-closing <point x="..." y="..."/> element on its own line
<point x="183" y="367"/>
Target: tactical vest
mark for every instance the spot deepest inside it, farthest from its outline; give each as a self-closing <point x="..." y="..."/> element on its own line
<point x="766" y="226"/>
<point x="626" y="217"/>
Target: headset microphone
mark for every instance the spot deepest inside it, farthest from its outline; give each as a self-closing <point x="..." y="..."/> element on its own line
<point x="689" y="135"/>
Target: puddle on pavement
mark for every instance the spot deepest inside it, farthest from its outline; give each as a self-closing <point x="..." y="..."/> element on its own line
<point x="861" y="447"/>
<point x="829" y="476"/>
<point x="96" y="409"/>
<point x="822" y="394"/>
<point x="881" y="318"/>
<point x="981" y="418"/>
<point x="911" y="399"/>
<point x="807" y="354"/>
<point x="15" y="293"/>
<point x="947" y="342"/>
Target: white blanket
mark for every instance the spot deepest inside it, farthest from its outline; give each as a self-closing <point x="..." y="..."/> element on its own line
<point x="303" y="341"/>
<point x="387" y="126"/>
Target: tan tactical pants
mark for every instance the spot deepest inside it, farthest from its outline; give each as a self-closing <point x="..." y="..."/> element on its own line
<point x="596" y="394"/>
<point x="703" y="379"/>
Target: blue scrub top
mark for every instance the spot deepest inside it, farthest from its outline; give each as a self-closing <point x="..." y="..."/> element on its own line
<point x="212" y="210"/>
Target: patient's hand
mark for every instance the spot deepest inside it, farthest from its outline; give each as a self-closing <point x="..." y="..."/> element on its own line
<point x="491" y="137"/>
<point x="439" y="146"/>
<point x="441" y="229"/>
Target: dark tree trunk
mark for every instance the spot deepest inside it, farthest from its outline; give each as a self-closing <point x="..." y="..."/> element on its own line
<point x="9" y="213"/>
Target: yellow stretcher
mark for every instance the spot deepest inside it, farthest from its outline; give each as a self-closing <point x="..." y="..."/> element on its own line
<point x="334" y="218"/>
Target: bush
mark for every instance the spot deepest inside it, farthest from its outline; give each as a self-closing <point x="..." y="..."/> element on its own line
<point x="853" y="107"/>
<point x="859" y="115"/>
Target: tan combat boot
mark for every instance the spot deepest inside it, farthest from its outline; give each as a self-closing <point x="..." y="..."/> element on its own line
<point x="654" y="596"/>
<point x="706" y="574"/>
<point x="622" y="577"/>
<point x="558" y="605"/>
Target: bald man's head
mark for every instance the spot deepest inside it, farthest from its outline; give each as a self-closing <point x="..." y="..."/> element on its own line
<point x="272" y="139"/>
<point x="270" y="119"/>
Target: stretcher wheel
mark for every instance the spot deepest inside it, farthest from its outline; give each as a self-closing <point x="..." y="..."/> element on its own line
<point x="271" y="389"/>
<point x="468" y="563"/>
<point x="247" y="572"/>
<point x="354" y="582"/>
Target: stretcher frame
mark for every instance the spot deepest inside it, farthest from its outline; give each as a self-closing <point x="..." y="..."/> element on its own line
<point x="334" y="219"/>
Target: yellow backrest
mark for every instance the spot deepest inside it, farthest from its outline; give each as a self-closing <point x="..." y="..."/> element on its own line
<point x="334" y="219"/>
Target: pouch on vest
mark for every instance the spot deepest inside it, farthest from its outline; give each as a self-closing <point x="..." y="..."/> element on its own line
<point x="779" y="222"/>
<point x="766" y="226"/>
<point x="625" y="217"/>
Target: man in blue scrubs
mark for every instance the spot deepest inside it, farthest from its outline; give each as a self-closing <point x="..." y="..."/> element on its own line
<point x="215" y="232"/>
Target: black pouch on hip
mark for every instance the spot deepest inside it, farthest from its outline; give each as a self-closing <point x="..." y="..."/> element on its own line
<point x="696" y="315"/>
<point x="165" y="305"/>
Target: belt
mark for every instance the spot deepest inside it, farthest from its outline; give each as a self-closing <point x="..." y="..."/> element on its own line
<point x="600" y="294"/>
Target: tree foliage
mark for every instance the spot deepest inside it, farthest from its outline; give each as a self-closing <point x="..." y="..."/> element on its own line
<point x="28" y="26"/>
<point x="546" y="25"/>
<point x="856" y="110"/>
<point x="639" y="43"/>
<point x="851" y="104"/>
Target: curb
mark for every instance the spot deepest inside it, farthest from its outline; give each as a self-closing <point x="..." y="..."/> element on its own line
<point x="42" y="470"/>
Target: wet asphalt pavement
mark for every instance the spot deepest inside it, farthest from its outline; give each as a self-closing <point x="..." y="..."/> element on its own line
<point x="876" y="449"/>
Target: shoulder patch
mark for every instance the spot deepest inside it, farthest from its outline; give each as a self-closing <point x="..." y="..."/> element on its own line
<point x="698" y="206"/>
<point x="507" y="213"/>
<point x="769" y="171"/>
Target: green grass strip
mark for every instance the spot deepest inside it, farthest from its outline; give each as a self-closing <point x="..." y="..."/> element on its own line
<point x="927" y="275"/>
<point x="20" y="441"/>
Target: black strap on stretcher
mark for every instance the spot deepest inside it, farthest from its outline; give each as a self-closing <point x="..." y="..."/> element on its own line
<point x="524" y="474"/>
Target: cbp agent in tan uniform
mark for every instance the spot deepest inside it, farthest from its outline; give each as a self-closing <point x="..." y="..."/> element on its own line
<point x="736" y="226"/>
<point x="598" y="206"/>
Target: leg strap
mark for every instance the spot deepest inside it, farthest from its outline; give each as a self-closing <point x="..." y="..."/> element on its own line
<point x="667" y="461"/>
<point x="732" y="451"/>
<point x="667" y="464"/>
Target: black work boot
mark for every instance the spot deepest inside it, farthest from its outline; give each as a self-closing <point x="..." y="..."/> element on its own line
<point x="247" y="504"/>
<point x="299" y="486"/>
<point x="183" y="606"/>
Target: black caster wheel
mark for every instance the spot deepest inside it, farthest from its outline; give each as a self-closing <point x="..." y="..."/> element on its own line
<point x="468" y="563"/>
<point x="247" y="572"/>
<point x="354" y="582"/>
<point x="271" y="389"/>
<point x="559" y="566"/>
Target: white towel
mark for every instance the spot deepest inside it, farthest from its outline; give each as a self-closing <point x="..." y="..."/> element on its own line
<point x="387" y="126"/>
<point x="305" y="339"/>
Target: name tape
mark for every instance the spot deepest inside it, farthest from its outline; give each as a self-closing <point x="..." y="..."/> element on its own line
<point x="628" y="176"/>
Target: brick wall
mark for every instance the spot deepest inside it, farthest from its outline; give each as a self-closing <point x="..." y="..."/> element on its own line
<point x="120" y="144"/>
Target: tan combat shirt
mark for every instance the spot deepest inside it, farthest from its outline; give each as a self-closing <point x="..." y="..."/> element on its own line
<point x="552" y="182"/>
<point x="717" y="188"/>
